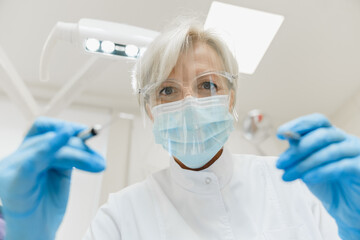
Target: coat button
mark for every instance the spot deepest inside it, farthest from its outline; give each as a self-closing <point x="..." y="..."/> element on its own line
<point x="207" y="180"/>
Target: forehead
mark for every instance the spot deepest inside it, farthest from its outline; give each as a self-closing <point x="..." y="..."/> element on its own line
<point x="198" y="58"/>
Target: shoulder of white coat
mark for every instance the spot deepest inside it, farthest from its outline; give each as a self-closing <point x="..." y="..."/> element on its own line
<point x="134" y="194"/>
<point x="124" y="206"/>
<point x="129" y="191"/>
<point x="254" y="158"/>
<point x="265" y="167"/>
<point x="254" y="163"/>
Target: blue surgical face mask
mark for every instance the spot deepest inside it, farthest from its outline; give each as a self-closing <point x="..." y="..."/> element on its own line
<point x="194" y="129"/>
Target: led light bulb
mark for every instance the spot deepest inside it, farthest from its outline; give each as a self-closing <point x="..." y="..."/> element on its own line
<point x="92" y="44"/>
<point x="131" y="50"/>
<point x="107" y="46"/>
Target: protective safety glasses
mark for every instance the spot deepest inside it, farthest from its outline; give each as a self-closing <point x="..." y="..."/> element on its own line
<point x="205" y="84"/>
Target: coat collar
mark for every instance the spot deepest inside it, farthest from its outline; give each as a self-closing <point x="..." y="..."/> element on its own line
<point x="208" y="180"/>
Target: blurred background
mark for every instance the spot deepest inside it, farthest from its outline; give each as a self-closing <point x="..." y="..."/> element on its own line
<point x="311" y="65"/>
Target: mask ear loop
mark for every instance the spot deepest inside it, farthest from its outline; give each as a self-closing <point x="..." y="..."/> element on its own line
<point x="145" y="102"/>
<point x="235" y="114"/>
<point x="233" y="109"/>
<point x="231" y="78"/>
<point x="237" y="78"/>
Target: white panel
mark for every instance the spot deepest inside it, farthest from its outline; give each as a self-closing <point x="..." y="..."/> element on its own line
<point x="15" y="87"/>
<point x="12" y="126"/>
<point x="145" y="156"/>
<point x="347" y="117"/>
<point x="247" y="32"/>
<point x="117" y="158"/>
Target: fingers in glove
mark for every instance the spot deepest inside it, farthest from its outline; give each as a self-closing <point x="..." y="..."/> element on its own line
<point x="346" y="169"/>
<point x="60" y="187"/>
<point x="58" y="150"/>
<point x="309" y="144"/>
<point x="77" y="154"/>
<point x="46" y="124"/>
<point x="35" y="154"/>
<point x="333" y="152"/>
<point x="303" y="125"/>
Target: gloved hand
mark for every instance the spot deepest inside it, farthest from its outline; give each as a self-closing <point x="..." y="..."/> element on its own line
<point x="328" y="161"/>
<point x="2" y="225"/>
<point x="35" y="179"/>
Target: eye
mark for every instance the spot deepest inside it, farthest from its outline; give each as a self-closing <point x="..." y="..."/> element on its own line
<point x="166" y="91"/>
<point x="209" y="86"/>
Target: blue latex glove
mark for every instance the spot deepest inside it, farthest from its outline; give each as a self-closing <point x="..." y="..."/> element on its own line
<point x="35" y="179"/>
<point x="328" y="161"/>
<point x="2" y="225"/>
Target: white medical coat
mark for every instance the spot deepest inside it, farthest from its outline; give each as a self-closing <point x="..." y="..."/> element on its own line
<point x="238" y="197"/>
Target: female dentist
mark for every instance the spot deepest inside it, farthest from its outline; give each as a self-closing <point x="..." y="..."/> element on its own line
<point x="186" y="83"/>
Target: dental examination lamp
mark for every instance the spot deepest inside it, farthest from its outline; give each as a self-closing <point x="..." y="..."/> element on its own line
<point x="102" y="38"/>
<point x="256" y="128"/>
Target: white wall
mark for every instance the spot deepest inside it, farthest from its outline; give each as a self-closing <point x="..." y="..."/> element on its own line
<point x="347" y="117"/>
<point x="117" y="157"/>
<point x="12" y="127"/>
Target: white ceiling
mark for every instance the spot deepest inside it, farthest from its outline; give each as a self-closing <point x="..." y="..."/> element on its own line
<point x="312" y="64"/>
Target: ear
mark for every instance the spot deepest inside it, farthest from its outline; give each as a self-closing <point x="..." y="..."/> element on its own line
<point x="232" y="100"/>
<point x="148" y="112"/>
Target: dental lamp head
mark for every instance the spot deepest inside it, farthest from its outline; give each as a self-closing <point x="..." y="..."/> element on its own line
<point x="113" y="39"/>
<point x="256" y="127"/>
<point x="102" y="38"/>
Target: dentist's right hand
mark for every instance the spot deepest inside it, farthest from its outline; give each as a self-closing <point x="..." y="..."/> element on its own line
<point x="35" y="179"/>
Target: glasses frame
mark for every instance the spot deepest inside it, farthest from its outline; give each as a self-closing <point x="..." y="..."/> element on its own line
<point x="147" y="89"/>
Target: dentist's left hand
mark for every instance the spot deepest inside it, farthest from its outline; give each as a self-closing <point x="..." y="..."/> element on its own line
<point x="35" y="179"/>
<point x="328" y="161"/>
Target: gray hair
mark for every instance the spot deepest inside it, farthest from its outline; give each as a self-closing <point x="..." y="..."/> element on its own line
<point x="162" y="54"/>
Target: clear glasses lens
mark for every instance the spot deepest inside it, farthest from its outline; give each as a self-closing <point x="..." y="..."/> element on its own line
<point x="204" y="85"/>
